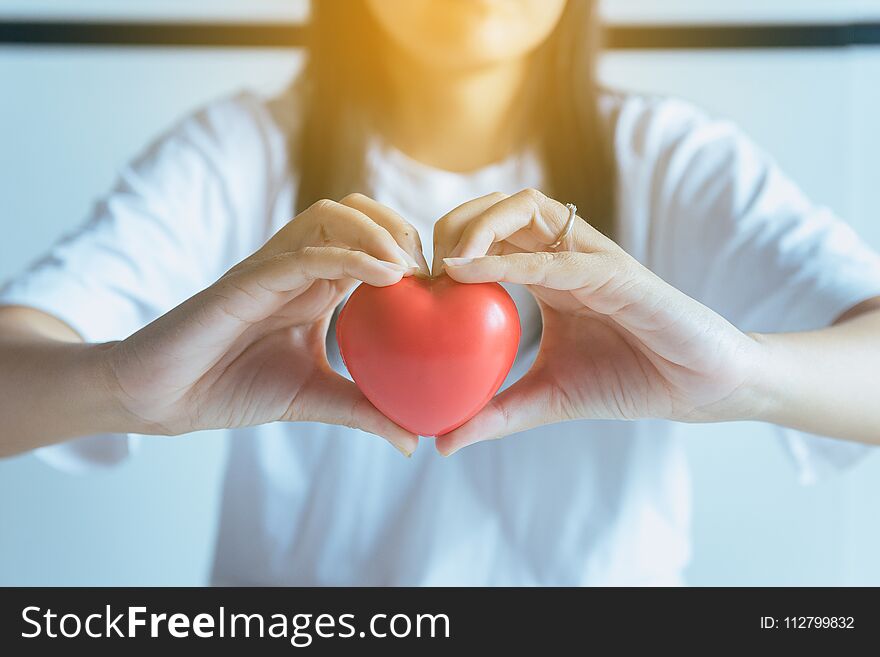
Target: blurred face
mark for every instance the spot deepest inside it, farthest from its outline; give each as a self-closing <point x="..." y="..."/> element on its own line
<point x="455" y="34"/>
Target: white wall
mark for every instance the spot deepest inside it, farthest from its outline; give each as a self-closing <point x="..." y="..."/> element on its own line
<point x="70" y="118"/>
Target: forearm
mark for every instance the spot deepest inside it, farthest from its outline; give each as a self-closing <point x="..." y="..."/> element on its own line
<point x="51" y="391"/>
<point x="825" y="382"/>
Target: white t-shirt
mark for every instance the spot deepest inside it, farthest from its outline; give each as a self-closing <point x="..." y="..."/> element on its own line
<point x="589" y="502"/>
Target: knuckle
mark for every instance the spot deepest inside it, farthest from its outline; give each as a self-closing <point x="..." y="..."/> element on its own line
<point x="539" y="264"/>
<point x="354" y="197"/>
<point x="321" y="206"/>
<point x="306" y="253"/>
<point x="568" y="260"/>
<point x="545" y="259"/>
<point x="533" y="195"/>
<point x="535" y="201"/>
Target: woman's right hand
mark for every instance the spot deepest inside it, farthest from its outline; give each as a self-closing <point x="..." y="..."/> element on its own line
<point x="250" y="349"/>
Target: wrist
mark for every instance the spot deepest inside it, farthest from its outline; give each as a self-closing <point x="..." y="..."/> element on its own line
<point x="98" y="400"/>
<point x="761" y="397"/>
<point x="53" y="391"/>
<point x="752" y="397"/>
<point x="112" y="405"/>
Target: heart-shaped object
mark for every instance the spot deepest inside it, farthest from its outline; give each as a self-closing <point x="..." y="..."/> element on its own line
<point x="429" y="352"/>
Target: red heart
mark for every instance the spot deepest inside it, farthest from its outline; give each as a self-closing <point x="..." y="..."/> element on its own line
<point x="429" y="352"/>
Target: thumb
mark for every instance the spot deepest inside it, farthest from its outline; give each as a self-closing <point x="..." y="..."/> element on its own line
<point x="526" y="404"/>
<point x="334" y="399"/>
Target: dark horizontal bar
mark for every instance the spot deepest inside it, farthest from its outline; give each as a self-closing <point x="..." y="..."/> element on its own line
<point x="743" y="36"/>
<point x="292" y="35"/>
<point x="136" y="33"/>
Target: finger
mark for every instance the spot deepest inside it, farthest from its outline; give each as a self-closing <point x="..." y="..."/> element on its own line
<point x="401" y="230"/>
<point x="559" y="271"/>
<point x="609" y="283"/>
<point x="448" y="229"/>
<point x="529" y="219"/>
<point x="657" y="317"/>
<point x="522" y="406"/>
<point x="328" y="223"/>
<point x="261" y="285"/>
<point x="290" y="271"/>
<point x="333" y="399"/>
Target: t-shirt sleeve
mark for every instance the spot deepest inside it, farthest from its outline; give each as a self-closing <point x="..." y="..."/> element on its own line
<point x="732" y="231"/>
<point x="157" y="238"/>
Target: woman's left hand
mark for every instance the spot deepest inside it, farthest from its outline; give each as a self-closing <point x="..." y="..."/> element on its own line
<point x="618" y="342"/>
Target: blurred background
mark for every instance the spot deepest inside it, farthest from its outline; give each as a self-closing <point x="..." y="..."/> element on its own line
<point x="71" y="116"/>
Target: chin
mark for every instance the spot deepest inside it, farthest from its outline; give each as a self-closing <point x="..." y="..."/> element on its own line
<point x="482" y="45"/>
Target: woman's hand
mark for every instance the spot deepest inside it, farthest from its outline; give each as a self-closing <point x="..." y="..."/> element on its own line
<point x="618" y="342"/>
<point x="251" y="348"/>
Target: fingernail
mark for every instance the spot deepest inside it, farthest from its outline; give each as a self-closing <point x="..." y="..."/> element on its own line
<point x="407" y="258"/>
<point x="402" y="451"/>
<point x="394" y="266"/>
<point x="457" y="262"/>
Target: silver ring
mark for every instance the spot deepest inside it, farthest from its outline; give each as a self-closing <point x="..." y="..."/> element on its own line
<point x="566" y="230"/>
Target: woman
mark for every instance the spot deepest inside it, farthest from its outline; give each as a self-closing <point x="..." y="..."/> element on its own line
<point x="725" y="295"/>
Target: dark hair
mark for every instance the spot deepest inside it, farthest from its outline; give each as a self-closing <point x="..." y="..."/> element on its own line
<point x="343" y="82"/>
